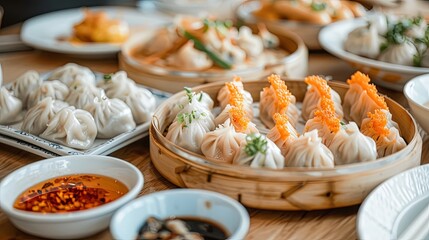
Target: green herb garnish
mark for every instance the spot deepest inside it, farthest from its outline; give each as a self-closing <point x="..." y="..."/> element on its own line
<point x="255" y="143"/>
<point x="107" y="77"/>
<point x="187" y="118"/>
<point x="316" y="6"/>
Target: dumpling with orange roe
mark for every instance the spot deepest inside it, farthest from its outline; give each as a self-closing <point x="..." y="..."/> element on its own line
<point x="283" y="133"/>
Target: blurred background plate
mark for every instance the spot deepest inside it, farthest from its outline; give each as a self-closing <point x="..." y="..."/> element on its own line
<point x="43" y="31"/>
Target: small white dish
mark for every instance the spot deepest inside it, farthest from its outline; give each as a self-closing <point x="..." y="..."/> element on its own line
<point x="213" y="206"/>
<point x="389" y="75"/>
<point x="392" y="206"/>
<point x="74" y="224"/>
<point x="40" y="32"/>
<point x="417" y="93"/>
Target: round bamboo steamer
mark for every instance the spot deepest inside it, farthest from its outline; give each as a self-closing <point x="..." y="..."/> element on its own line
<point x="288" y="188"/>
<point x="293" y="65"/>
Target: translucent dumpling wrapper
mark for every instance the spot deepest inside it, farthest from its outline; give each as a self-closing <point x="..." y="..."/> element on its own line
<point x="117" y="85"/>
<point x="25" y="84"/>
<point x="190" y="59"/>
<point x="379" y="21"/>
<point x="112" y="116"/>
<point x="387" y="138"/>
<point x="323" y="130"/>
<point x="54" y="89"/>
<point x="72" y="127"/>
<point x="238" y="117"/>
<point x="349" y="145"/>
<point x="258" y="151"/>
<point x="212" y="40"/>
<point x="418" y="29"/>
<point x="231" y="53"/>
<point x="250" y="43"/>
<point x="142" y="104"/>
<point x="309" y="151"/>
<point x="81" y="95"/>
<point x="10" y="107"/>
<point x="188" y="130"/>
<point x="318" y="87"/>
<point x="222" y="143"/>
<point x="70" y="72"/>
<point x="269" y="40"/>
<point x="402" y="54"/>
<point x="224" y="96"/>
<point x="37" y="118"/>
<point x="364" y="41"/>
<point x="283" y="133"/>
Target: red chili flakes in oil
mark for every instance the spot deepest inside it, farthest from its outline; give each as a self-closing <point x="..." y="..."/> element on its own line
<point x="70" y="193"/>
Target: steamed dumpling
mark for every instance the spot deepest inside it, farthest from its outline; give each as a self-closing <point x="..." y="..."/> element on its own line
<point x="309" y="151"/>
<point x="222" y="143"/>
<point x="189" y="58"/>
<point x="258" y="151"/>
<point x="24" y="84"/>
<point x="10" y="107"/>
<point x="142" y="104"/>
<point x="54" y="89"/>
<point x="224" y="95"/>
<point x="72" y="127"/>
<point x="283" y="133"/>
<point x="70" y="72"/>
<point x="364" y="41"/>
<point x="112" y="116"/>
<point x="251" y="44"/>
<point x="36" y="119"/>
<point x="81" y="95"/>
<point x="402" y="54"/>
<point x="349" y="145"/>
<point x="232" y="53"/>
<point x="117" y="85"/>
<point x="163" y="39"/>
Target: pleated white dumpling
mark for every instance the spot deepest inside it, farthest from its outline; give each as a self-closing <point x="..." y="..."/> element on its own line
<point x="190" y="59"/>
<point x="318" y="87"/>
<point x="10" y="107"/>
<point x="387" y="138"/>
<point x="70" y="72"/>
<point x="36" y="119"/>
<point x="277" y="99"/>
<point x="232" y="53"/>
<point x="54" y="89"/>
<point x="309" y="151"/>
<point x="349" y="145"/>
<point x="72" y="127"/>
<point x="364" y="41"/>
<point x="401" y="54"/>
<point x="112" y="116"/>
<point x="233" y="89"/>
<point x="283" y="133"/>
<point x="258" y="151"/>
<point x="188" y="130"/>
<point x="117" y="85"/>
<point x="25" y="84"/>
<point x="250" y="43"/>
<point x="142" y="104"/>
<point x="81" y="95"/>
<point x="222" y="143"/>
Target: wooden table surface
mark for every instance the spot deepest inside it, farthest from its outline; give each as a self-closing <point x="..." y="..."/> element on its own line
<point x="327" y="224"/>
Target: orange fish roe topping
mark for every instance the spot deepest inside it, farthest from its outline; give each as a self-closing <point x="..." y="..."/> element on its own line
<point x="377" y="124"/>
<point x="281" y="125"/>
<point x="239" y="119"/>
<point x="237" y="79"/>
<point x="326" y="114"/>
<point x="320" y="84"/>
<point x="282" y="93"/>
<point x="236" y="97"/>
<point x="363" y="81"/>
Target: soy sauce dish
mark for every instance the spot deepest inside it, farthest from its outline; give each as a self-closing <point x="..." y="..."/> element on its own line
<point x="190" y="213"/>
<point x="70" y="196"/>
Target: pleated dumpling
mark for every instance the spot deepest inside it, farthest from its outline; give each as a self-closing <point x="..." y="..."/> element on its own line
<point x="277" y="99"/>
<point x="387" y="139"/>
<point x="221" y="144"/>
<point x="234" y="92"/>
<point x="258" y="151"/>
<point x="71" y="127"/>
<point x="54" y="89"/>
<point x="24" y="84"/>
<point x="142" y="104"/>
<point x="250" y="43"/>
<point x="117" y="85"/>
<point x="283" y="133"/>
<point x="349" y="145"/>
<point x="309" y="151"/>
<point x="70" y="72"/>
<point x="190" y="59"/>
<point x="401" y="54"/>
<point x="81" y="94"/>
<point x="112" y="116"/>
<point x="37" y="118"/>
<point x="364" y="41"/>
<point x="361" y="98"/>
<point x="10" y="107"/>
<point x="318" y="87"/>
<point x="189" y="128"/>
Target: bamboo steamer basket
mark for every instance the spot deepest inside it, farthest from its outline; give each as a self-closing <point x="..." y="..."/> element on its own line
<point x="288" y="188"/>
<point x="293" y="65"/>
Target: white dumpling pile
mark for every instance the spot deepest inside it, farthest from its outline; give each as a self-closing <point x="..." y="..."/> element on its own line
<point x="25" y="84"/>
<point x="54" y="89"/>
<point x="10" y="107"/>
<point x="81" y="94"/>
<point x="72" y="72"/>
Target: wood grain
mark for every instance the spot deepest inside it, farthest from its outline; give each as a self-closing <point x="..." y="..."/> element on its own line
<point x="327" y="224"/>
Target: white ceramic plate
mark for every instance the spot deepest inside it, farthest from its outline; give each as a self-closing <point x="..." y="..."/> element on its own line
<point x="391" y="207"/>
<point x="13" y="136"/>
<point x="389" y="75"/>
<point x="42" y="32"/>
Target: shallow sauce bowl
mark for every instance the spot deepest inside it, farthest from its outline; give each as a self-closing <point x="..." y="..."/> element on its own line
<point x="417" y="93"/>
<point x="203" y="204"/>
<point x="73" y="224"/>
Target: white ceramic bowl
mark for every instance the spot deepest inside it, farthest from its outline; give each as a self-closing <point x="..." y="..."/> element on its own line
<point x="417" y="93"/>
<point x="74" y="224"/>
<point x="181" y="202"/>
